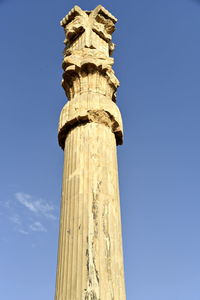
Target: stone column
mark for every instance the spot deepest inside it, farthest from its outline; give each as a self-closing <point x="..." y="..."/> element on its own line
<point x="90" y="258"/>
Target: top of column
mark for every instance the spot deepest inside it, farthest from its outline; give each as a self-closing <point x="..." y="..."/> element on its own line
<point x="88" y="79"/>
<point x="89" y="29"/>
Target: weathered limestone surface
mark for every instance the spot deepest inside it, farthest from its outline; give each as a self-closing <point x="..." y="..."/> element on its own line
<point x="90" y="258"/>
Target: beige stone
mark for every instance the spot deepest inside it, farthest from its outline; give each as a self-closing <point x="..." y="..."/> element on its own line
<point x="90" y="257"/>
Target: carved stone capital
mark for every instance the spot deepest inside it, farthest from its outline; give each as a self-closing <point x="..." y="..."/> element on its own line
<point x="89" y="62"/>
<point x="88" y="79"/>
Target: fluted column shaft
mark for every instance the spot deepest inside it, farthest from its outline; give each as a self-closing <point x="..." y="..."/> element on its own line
<point x="90" y="258"/>
<point x="90" y="263"/>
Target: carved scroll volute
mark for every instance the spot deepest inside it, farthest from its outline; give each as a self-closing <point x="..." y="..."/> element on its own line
<point x="89" y="29"/>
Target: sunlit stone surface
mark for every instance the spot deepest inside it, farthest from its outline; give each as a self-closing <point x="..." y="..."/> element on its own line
<point x="90" y="258"/>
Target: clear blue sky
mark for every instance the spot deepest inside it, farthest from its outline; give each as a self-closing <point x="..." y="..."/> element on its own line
<point x="157" y="60"/>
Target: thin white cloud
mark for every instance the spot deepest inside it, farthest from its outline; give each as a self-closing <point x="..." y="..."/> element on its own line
<point x="37" y="226"/>
<point x="36" y="206"/>
<point x="15" y="219"/>
<point x="22" y="231"/>
<point x="25" y="200"/>
<point x="34" y="216"/>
